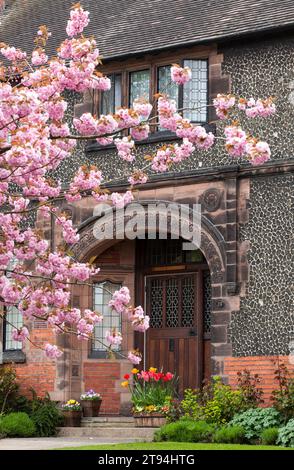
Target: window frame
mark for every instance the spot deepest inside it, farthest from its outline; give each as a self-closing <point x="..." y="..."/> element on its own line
<point x="5" y="333"/>
<point x="152" y="63"/>
<point x="102" y="354"/>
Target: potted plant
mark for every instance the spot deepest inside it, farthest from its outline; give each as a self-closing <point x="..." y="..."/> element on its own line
<point x="72" y="413"/>
<point x="91" y="402"/>
<point x="152" y="394"/>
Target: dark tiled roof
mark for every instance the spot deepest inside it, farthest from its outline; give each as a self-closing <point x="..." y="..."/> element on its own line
<point x="132" y="26"/>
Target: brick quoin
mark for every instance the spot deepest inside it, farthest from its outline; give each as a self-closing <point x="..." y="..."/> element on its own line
<point x="264" y="366"/>
<point x="103" y="378"/>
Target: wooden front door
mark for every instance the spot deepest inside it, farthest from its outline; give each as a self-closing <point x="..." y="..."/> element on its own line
<point x="174" y="339"/>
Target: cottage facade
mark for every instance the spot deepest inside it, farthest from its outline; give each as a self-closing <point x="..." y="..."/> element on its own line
<point x="224" y="307"/>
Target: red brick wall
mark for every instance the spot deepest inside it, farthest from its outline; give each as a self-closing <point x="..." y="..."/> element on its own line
<point x="264" y="366"/>
<point x="39" y="376"/>
<point x="37" y="372"/>
<point x="104" y="378"/>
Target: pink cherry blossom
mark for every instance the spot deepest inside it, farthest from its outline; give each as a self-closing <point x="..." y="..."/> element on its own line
<point x="180" y="75"/>
<point x="223" y="104"/>
<point x="113" y="338"/>
<point x="142" y="108"/>
<point x="138" y="177"/>
<point x="20" y="334"/>
<point x="13" y="54"/>
<point x="141" y="324"/>
<point x="140" y="132"/>
<point x="258" y="152"/>
<point x="121" y="200"/>
<point x="134" y="357"/>
<point x="124" y="148"/>
<point x="52" y="351"/>
<point x="79" y="19"/>
<point x="236" y="141"/>
<point x="39" y="57"/>
<point x="120" y="300"/>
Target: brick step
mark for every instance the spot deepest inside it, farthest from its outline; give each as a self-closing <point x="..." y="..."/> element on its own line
<point x="132" y="433"/>
<point x="108" y="421"/>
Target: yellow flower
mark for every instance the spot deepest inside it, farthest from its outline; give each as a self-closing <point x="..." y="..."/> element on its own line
<point x="153" y="369"/>
<point x="71" y="402"/>
<point x="135" y="371"/>
<point x="125" y="384"/>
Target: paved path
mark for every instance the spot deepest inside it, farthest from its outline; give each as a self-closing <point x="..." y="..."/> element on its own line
<point x="43" y="443"/>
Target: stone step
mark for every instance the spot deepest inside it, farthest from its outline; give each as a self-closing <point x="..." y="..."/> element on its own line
<point x="109" y="421"/>
<point x="133" y="433"/>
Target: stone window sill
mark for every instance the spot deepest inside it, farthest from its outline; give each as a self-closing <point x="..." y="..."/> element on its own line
<point x="15" y="356"/>
<point x="155" y="138"/>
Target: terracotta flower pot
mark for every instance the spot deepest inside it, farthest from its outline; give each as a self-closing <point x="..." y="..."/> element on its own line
<point x="91" y="408"/>
<point x="150" y="420"/>
<point x="72" y="418"/>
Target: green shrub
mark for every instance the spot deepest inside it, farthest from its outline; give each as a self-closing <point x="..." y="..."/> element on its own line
<point x="45" y="415"/>
<point x="185" y="431"/>
<point x="255" y="420"/>
<point x="17" y="425"/>
<point x="224" y="404"/>
<point x="191" y="405"/>
<point x="230" y="435"/>
<point x="269" y="436"/>
<point x="214" y="403"/>
<point x="286" y="435"/>
<point x="46" y="419"/>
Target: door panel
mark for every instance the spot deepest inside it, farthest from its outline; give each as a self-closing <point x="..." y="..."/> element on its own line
<point x="174" y="339"/>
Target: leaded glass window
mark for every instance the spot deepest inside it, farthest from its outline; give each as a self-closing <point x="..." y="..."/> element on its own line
<point x="13" y="319"/>
<point x="188" y="301"/>
<point x="139" y="85"/>
<point x="193" y="94"/>
<point x="165" y="84"/>
<point x="172" y="303"/>
<point x="102" y="294"/>
<point x="195" y="91"/>
<point x="156" y="303"/>
<point x="111" y="99"/>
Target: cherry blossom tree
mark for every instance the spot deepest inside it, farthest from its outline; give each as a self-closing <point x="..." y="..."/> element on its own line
<point x="36" y="137"/>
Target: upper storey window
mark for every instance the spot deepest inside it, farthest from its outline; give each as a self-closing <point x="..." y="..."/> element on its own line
<point x="192" y="97"/>
<point x="139" y="85"/>
<point x="149" y="78"/>
<point x="112" y="99"/>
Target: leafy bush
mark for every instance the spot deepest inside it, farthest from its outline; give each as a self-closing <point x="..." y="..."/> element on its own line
<point x="286" y="435"/>
<point x="255" y="420"/>
<point x="45" y="415"/>
<point x="283" y="397"/>
<point x="269" y="436"/>
<point x="191" y="404"/>
<point x="8" y="387"/>
<point x="185" y="431"/>
<point x="17" y="425"/>
<point x="249" y="387"/>
<point x="218" y="403"/>
<point x="230" y="435"/>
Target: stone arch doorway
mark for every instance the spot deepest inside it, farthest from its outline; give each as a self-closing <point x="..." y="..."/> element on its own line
<point x="215" y="249"/>
<point x="175" y="288"/>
